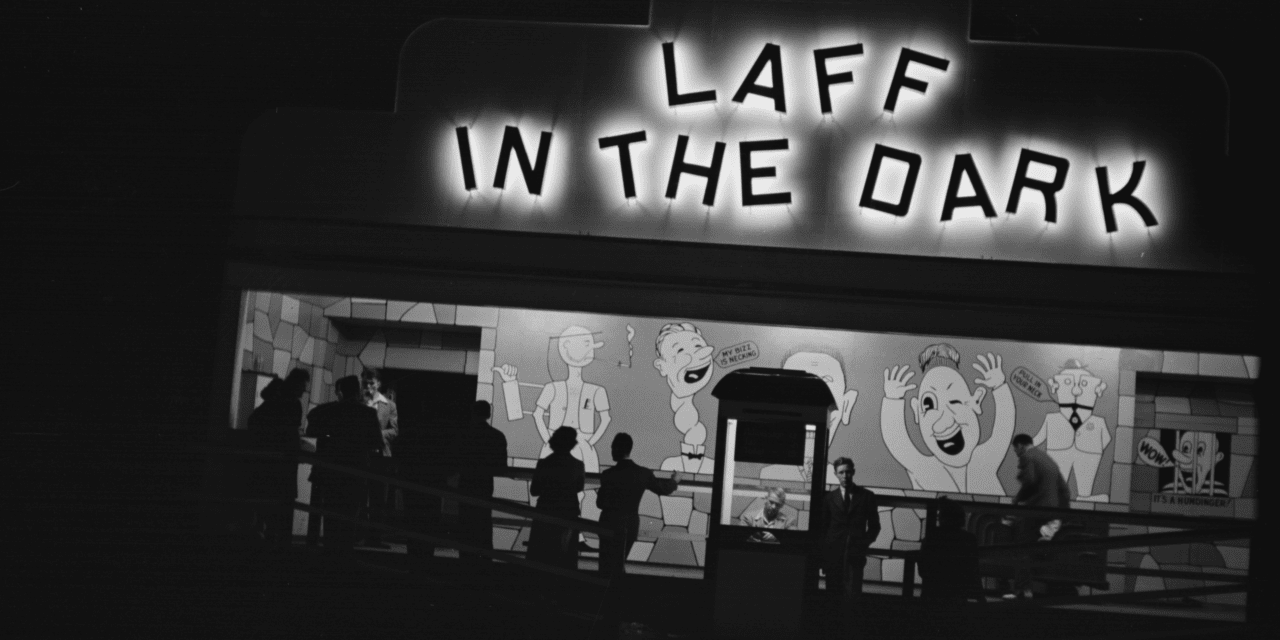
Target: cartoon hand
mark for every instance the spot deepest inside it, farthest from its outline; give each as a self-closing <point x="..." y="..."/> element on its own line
<point x="989" y="366"/>
<point x="895" y="382"/>
<point x="508" y="372"/>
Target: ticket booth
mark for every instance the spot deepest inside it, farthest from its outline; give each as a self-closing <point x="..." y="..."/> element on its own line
<point x="762" y="545"/>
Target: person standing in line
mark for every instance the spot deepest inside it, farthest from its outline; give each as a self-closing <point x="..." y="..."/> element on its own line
<point x="853" y="523"/>
<point x="380" y="461"/>
<point x="949" y="558"/>
<point x="482" y="453"/>
<point x="346" y="432"/>
<point x="621" y="488"/>
<point x="275" y="426"/>
<point x="557" y="479"/>
<point x="1042" y="486"/>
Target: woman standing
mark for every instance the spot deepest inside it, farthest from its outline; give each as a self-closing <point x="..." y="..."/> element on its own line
<point x="556" y="482"/>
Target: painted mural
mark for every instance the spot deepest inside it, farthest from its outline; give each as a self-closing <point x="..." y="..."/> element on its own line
<point x="920" y="415"/>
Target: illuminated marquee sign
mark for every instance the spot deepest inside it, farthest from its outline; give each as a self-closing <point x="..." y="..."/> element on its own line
<point x="860" y="127"/>
<point x="963" y="168"/>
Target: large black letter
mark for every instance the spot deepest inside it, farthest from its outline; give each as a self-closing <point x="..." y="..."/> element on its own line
<point x="772" y="55"/>
<point x="532" y="174"/>
<point x="1022" y="181"/>
<point x="464" y="151"/>
<point x="623" y="143"/>
<point x="711" y="173"/>
<point x="745" y="150"/>
<point x="1123" y="196"/>
<point x="673" y="94"/>
<point x="964" y="164"/>
<point x="868" y="190"/>
<point x="901" y="80"/>
<point x="825" y="80"/>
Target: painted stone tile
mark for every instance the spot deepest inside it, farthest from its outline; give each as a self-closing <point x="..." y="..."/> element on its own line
<point x="476" y="316"/>
<point x="289" y="309"/>
<point x="670" y="551"/>
<point x="262" y="326"/>
<point x="1141" y="360"/>
<point x="339" y="309"/>
<point x="397" y="308"/>
<point x="262" y="301"/>
<point x="504" y="539"/>
<point x="420" y="313"/>
<point x="368" y="311"/>
<point x="446" y="313"/>
<point x="1181" y="362"/>
<point x="426" y="359"/>
<point x="1220" y="365"/>
<point x="488" y="338"/>
<point x="1173" y="404"/>
<point x="1128" y="383"/>
<point x="300" y="339"/>
<point x="375" y="353"/>
<point x="640" y="552"/>
<point x="1125" y="412"/>
<point x="1204" y="407"/>
<point x="1252" y="363"/>
<point x="1181" y="422"/>
<point x="484" y="391"/>
<point x="1121" y="475"/>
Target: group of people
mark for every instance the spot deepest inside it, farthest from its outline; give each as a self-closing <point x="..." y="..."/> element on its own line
<point x="359" y="428"/>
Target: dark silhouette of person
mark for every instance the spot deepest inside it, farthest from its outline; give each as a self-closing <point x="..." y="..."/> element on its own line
<point x="275" y="426"/>
<point x="621" y="488"/>
<point x="853" y="523"/>
<point x="424" y="452"/>
<point x="346" y="432"/>
<point x="557" y="479"/>
<point x="949" y="558"/>
<point x="481" y="454"/>
<point x="1042" y="486"/>
<point x="379" y="494"/>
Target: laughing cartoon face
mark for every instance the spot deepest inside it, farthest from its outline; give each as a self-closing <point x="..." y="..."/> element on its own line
<point x="684" y="358"/>
<point x="948" y="415"/>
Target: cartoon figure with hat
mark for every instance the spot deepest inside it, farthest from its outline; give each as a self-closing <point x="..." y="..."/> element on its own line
<point x="1076" y="436"/>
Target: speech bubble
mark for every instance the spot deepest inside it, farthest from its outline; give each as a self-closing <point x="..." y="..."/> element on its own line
<point x="737" y="354"/>
<point x="1031" y="384"/>
<point x="1152" y="453"/>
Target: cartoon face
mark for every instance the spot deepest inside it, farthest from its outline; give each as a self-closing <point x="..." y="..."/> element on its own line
<point x="1197" y="453"/>
<point x="1077" y="386"/>
<point x="828" y="368"/>
<point x="578" y="346"/>
<point x="948" y="415"/>
<point x="685" y="360"/>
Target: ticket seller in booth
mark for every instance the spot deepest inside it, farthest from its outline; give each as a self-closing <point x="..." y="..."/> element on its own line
<point x="762" y="549"/>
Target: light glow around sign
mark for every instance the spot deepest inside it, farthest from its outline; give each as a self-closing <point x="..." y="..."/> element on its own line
<point x="782" y="155"/>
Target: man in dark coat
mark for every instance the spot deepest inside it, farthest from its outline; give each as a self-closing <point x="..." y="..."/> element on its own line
<point x="621" y="488"/>
<point x="347" y="433"/>
<point x="1042" y="486"/>
<point x="275" y="426"/>
<point x="482" y="454"/>
<point x="949" y="558"/>
<point x="853" y="523"/>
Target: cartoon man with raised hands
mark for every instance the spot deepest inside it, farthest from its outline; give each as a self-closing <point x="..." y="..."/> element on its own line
<point x="947" y="415"/>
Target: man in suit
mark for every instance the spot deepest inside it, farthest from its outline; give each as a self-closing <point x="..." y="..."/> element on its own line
<point x="482" y="454"/>
<point x="853" y="523"/>
<point x="621" y="487"/>
<point x="346" y="432"/>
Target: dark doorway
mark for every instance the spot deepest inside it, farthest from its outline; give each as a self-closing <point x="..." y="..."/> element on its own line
<point x="431" y="399"/>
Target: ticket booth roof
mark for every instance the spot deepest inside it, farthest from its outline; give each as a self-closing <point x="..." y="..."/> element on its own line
<point x="774" y="386"/>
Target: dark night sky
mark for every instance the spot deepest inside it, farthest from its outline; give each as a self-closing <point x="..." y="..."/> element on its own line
<point x="119" y="155"/>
